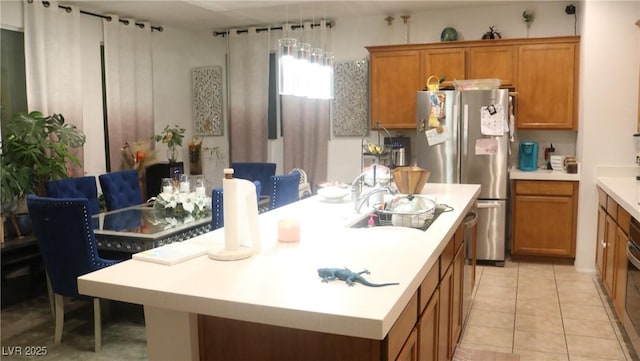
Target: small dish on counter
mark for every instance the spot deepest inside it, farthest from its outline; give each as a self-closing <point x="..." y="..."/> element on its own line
<point x="333" y="193"/>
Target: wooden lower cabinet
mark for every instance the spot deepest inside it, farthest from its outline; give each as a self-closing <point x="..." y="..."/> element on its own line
<point x="611" y="249"/>
<point x="409" y="351"/>
<point x="601" y="240"/>
<point x="445" y="346"/>
<point x="428" y="330"/>
<point x="620" y="272"/>
<point x="610" y="237"/>
<point x="456" y="304"/>
<point x="545" y="218"/>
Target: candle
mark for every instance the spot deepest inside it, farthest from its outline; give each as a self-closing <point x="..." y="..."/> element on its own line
<point x="288" y="230"/>
<point x="200" y="191"/>
<point x="185" y="187"/>
<point x="167" y="189"/>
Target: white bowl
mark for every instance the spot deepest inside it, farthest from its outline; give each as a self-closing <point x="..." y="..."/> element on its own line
<point x="333" y="194"/>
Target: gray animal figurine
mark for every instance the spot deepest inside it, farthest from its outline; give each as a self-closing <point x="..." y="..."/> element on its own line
<point x="350" y="277"/>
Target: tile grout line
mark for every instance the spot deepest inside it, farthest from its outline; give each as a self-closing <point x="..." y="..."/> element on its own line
<point x="564" y="330"/>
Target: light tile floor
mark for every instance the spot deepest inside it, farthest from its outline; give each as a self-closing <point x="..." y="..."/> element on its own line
<point x="543" y="312"/>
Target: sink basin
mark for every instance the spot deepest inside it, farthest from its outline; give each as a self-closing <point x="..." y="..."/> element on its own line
<point x="383" y="219"/>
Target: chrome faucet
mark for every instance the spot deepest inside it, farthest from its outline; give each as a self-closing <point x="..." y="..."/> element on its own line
<point x="358" y="198"/>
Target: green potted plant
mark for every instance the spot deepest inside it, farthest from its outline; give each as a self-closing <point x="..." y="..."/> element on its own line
<point x="35" y="149"/>
<point x="172" y="137"/>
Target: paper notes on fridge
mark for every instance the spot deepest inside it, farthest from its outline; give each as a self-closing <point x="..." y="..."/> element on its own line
<point x="486" y="146"/>
<point x="493" y="120"/>
<point x="433" y="137"/>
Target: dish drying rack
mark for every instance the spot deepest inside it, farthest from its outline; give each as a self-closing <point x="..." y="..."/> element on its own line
<point x="386" y="217"/>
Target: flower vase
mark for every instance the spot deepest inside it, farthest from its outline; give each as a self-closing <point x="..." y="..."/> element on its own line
<point x="172" y="154"/>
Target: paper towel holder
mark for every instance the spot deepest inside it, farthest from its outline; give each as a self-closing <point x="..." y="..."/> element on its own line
<point x="243" y="192"/>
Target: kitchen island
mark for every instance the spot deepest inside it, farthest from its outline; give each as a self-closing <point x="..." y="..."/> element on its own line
<point x="279" y="287"/>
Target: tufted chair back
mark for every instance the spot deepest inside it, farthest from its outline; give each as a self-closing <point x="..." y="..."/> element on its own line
<point x="68" y="246"/>
<point x="283" y="189"/>
<point x="255" y="171"/>
<point x="120" y="189"/>
<point x="79" y="187"/>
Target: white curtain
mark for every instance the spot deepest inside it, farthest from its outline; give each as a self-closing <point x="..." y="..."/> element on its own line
<point x="305" y="123"/>
<point x="306" y="136"/>
<point x="248" y="95"/>
<point x="53" y="63"/>
<point x="129" y="84"/>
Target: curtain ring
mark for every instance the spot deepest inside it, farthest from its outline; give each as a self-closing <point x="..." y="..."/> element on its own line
<point x="46" y="4"/>
<point x="109" y="18"/>
<point x="29" y="1"/>
<point x="68" y="10"/>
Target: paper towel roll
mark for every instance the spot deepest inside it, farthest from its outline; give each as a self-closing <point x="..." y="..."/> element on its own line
<point x="241" y="233"/>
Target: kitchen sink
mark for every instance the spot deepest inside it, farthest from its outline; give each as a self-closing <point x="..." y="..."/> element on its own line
<point x="388" y="219"/>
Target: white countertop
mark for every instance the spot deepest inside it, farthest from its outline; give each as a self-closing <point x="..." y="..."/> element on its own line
<point x="625" y="190"/>
<point x="543" y="174"/>
<point x="280" y="285"/>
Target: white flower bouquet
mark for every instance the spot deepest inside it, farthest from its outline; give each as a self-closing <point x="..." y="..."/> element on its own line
<point x="183" y="204"/>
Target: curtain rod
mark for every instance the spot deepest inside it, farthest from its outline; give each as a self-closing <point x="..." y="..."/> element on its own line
<point x="124" y="21"/>
<point x="329" y="24"/>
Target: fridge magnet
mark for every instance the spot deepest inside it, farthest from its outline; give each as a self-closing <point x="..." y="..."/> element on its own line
<point x="437" y="113"/>
<point x="435" y="137"/>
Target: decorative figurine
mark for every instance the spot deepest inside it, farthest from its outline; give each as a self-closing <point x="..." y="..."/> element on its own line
<point x="492" y="34"/>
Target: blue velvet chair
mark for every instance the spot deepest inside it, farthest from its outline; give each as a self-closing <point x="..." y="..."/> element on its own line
<point x="255" y="171"/>
<point x="283" y="189"/>
<point x="121" y="189"/>
<point x="65" y="236"/>
<point x="79" y="187"/>
<point x="217" y="206"/>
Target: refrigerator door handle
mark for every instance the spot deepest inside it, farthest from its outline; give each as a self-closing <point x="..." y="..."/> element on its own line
<point x="482" y="204"/>
<point x="465" y="137"/>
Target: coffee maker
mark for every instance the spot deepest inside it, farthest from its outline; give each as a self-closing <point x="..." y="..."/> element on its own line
<point x="399" y="153"/>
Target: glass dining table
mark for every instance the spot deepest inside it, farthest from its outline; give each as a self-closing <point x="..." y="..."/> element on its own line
<point x="141" y="227"/>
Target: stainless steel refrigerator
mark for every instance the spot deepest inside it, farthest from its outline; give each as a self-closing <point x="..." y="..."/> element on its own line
<point x="463" y="137"/>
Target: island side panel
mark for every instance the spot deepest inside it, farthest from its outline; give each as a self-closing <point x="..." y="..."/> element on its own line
<point x="171" y="335"/>
<point x="226" y="339"/>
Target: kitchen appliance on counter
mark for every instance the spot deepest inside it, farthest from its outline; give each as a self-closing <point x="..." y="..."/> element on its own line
<point x="400" y="151"/>
<point x="528" y="156"/>
<point x="463" y="137"/>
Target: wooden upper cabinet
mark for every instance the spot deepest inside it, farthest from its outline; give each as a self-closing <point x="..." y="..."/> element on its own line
<point x="493" y="62"/>
<point x="544" y="72"/>
<point x="448" y="63"/>
<point x="547" y="86"/>
<point x="394" y="82"/>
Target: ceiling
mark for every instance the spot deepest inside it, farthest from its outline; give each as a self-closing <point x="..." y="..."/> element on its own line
<point x="221" y="15"/>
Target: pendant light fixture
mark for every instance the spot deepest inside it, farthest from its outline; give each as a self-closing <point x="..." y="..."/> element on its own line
<point x="287" y="50"/>
<point x="305" y="71"/>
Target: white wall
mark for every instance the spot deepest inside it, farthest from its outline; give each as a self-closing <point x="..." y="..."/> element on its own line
<point x="608" y="105"/>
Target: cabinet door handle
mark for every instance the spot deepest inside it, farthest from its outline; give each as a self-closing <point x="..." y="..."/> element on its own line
<point x="604" y="244"/>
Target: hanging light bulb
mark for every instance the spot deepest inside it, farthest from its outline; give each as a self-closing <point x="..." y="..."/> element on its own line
<point x="301" y="83"/>
<point x="316" y="82"/>
<point x="286" y="65"/>
<point x="328" y="76"/>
